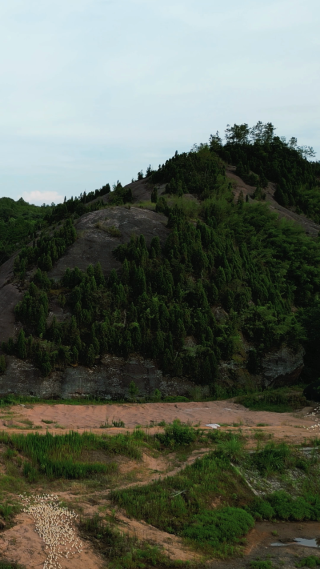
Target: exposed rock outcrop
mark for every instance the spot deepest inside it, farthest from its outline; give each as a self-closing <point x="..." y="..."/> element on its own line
<point x="109" y="379"/>
<point x="282" y="367"/>
<point x="97" y="237"/>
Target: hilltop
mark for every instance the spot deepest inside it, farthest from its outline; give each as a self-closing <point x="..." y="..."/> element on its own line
<point x="203" y="274"/>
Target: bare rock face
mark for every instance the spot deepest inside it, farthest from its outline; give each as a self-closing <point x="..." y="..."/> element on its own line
<point x="282" y="367"/>
<point x="278" y="368"/>
<point x="100" y="232"/>
<point x="10" y="295"/>
<point x="109" y="379"/>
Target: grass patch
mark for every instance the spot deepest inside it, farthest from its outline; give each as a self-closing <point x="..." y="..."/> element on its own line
<point x="60" y="456"/>
<point x="277" y="400"/>
<point x="123" y="551"/>
<point x="277" y="458"/>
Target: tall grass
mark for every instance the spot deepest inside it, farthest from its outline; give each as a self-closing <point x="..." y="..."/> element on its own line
<point x="59" y="456"/>
<point x="276" y="458"/>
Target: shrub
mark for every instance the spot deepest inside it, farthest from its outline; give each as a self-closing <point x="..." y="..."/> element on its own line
<point x="217" y="526"/>
<point x="177" y="434"/>
<point x="310" y="561"/>
<point x="282" y="506"/>
<point x="232" y="448"/>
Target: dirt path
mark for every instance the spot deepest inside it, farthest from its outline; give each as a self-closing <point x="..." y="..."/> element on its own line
<point x="57" y="418"/>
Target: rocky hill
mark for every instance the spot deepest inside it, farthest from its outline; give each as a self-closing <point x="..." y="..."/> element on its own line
<point x="195" y="277"/>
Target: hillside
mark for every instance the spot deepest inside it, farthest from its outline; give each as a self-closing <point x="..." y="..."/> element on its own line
<point x="205" y="273"/>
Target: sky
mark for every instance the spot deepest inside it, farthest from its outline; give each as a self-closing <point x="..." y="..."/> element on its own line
<point x="93" y="91"/>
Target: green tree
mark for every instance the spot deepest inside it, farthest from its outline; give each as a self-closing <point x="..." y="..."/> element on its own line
<point x="21" y="345"/>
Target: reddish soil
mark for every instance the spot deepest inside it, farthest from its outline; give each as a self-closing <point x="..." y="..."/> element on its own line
<point x="294" y="427"/>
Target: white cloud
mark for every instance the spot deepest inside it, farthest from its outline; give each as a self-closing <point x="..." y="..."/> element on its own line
<point x="36" y="197"/>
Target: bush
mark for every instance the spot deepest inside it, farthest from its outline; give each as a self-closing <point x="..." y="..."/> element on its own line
<point x="262" y="510"/>
<point x="177" y="434"/>
<point x="218" y="526"/>
<point x="232" y="448"/>
<point x="310" y="561"/>
<point x="282" y="506"/>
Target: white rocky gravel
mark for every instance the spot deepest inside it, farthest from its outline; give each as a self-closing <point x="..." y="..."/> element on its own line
<point x="54" y="524"/>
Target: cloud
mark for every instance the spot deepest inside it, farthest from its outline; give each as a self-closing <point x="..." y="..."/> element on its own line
<point x="37" y="197"/>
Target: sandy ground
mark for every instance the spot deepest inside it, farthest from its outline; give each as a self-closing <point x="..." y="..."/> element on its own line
<point x="292" y="426"/>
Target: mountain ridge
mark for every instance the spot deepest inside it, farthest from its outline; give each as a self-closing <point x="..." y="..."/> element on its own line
<point x="205" y="264"/>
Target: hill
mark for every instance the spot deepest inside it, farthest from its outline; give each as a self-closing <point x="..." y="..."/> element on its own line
<point x="183" y="278"/>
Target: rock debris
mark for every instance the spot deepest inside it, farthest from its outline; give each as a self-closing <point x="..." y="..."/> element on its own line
<point x="54" y="524"/>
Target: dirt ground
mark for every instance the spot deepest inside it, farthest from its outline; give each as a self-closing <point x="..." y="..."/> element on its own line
<point x="23" y="545"/>
<point x="294" y="427"/>
<point x="260" y="541"/>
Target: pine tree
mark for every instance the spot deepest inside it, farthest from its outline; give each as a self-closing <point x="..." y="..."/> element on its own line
<point x="41" y="327"/>
<point x="91" y="356"/>
<point x="21" y="345"/>
<point x="98" y="275"/>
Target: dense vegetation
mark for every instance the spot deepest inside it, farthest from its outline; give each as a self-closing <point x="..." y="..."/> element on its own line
<point x="260" y="156"/>
<point x="19" y="223"/>
<point x="263" y="271"/>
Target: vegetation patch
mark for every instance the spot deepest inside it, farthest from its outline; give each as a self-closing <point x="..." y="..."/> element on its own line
<point x="172" y="503"/>
<point x="122" y="551"/>
<point x="276" y="400"/>
<point x="283" y="506"/>
<point x="218" y="527"/>
<point x="59" y="456"/>
<point x="310" y="561"/>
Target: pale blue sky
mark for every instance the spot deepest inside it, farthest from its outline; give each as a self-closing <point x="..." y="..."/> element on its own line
<point x="92" y="91"/>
